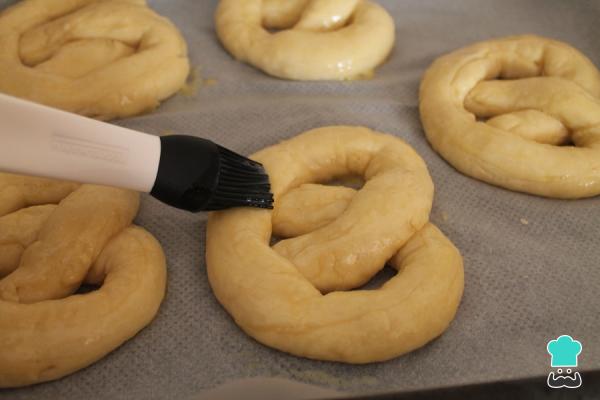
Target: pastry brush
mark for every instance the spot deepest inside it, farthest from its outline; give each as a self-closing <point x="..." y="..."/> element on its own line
<point x="182" y="171"/>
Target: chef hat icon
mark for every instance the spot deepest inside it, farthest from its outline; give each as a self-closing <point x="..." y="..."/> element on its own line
<point x="564" y="351"/>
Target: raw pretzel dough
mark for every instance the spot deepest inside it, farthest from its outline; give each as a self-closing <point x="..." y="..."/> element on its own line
<point x="273" y="292"/>
<point x="103" y="58"/>
<point x="549" y="93"/>
<point x="46" y="252"/>
<point x="319" y="39"/>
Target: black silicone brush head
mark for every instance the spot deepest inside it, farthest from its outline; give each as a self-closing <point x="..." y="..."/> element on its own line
<point x="198" y="175"/>
<point x="240" y="182"/>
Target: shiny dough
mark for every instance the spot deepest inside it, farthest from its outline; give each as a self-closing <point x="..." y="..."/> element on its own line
<point x="46" y="252"/>
<point x="103" y="59"/>
<point x="539" y="94"/>
<point x="318" y="39"/>
<point x="275" y="294"/>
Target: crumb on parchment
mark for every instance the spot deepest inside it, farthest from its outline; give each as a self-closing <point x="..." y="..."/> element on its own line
<point x="194" y="82"/>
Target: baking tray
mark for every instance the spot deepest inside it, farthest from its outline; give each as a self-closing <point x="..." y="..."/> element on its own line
<point x="531" y="264"/>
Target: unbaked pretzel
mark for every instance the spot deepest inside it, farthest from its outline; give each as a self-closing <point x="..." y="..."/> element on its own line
<point x="46" y="252"/>
<point x="99" y="58"/>
<point x="319" y="39"/>
<point x="539" y="94"/>
<point x="275" y="293"/>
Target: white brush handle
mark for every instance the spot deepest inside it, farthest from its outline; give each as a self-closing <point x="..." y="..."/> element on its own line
<point x="42" y="141"/>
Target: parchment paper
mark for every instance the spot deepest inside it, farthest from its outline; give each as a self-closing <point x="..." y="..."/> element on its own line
<point x="531" y="264"/>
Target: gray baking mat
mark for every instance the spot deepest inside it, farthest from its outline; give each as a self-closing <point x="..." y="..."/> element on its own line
<point x="532" y="264"/>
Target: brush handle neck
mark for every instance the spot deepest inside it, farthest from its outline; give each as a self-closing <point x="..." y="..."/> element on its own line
<point x="42" y="141"/>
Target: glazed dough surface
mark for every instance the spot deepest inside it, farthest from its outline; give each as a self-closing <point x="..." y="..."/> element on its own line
<point x="102" y="58"/>
<point x="317" y="39"/>
<point x="46" y="253"/>
<point x="342" y="238"/>
<point x="542" y="98"/>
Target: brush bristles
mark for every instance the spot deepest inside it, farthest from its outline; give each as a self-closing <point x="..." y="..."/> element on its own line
<point x="241" y="183"/>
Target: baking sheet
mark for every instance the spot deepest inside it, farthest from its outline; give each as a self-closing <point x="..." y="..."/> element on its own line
<point x="531" y="264"/>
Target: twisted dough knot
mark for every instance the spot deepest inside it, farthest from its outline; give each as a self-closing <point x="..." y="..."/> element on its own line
<point x="46" y="252"/>
<point x="345" y="237"/>
<point x="103" y="58"/>
<point x="319" y="39"/>
<point x="542" y="98"/>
